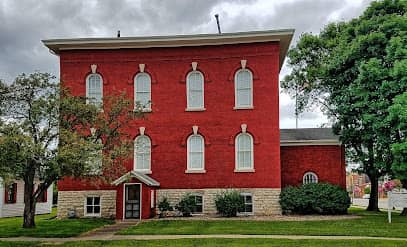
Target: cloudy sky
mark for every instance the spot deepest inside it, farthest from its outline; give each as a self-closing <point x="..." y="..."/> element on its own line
<point x="24" y="23"/>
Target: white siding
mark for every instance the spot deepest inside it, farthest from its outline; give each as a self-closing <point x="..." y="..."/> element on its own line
<point x="17" y="209"/>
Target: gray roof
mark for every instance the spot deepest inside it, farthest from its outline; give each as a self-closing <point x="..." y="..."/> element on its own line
<point x="325" y="135"/>
<point x="138" y="175"/>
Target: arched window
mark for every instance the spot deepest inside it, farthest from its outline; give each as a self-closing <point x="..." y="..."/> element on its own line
<point x="244" y="151"/>
<point x="243" y="89"/>
<point x="142" y="91"/>
<point x="142" y="154"/>
<point x="310" y="177"/>
<point x="195" y="153"/>
<point x="195" y="90"/>
<point x="94" y="89"/>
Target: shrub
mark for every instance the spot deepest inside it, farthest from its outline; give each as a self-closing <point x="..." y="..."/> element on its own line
<point x="229" y="203"/>
<point x="186" y="205"/>
<point x="366" y="190"/>
<point x="318" y="198"/>
<point x="164" y="206"/>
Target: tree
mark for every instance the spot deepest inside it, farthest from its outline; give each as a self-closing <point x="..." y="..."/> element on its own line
<point x="353" y="70"/>
<point x="46" y="134"/>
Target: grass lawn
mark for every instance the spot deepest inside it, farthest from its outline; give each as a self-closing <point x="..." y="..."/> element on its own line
<point x="370" y="224"/>
<point x="48" y="226"/>
<point x="218" y="242"/>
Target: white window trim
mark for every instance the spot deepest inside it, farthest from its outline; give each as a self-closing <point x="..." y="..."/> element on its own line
<point x="203" y="204"/>
<point x="244" y="107"/>
<point x="145" y="171"/>
<point x="146" y="109"/>
<point x="87" y="87"/>
<point x="86" y="204"/>
<point x="201" y="108"/>
<point x="247" y="213"/>
<point x="248" y="169"/>
<point x="152" y="198"/>
<point x="196" y="170"/>
<point x="312" y="174"/>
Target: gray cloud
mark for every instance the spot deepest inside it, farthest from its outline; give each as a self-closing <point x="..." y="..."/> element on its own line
<point x="24" y="23"/>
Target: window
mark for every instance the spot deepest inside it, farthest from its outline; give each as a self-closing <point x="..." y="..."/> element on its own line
<point x="11" y="193"/>
<point x="42" y="197"/>
<point x="244" y="151"/>
<point x="94" y="89"/>
<point x="243" y="89"/>
<point x="95" y="163"/>
<point x="142" y="154"/>
<point x="195" y="91"/>
<point x="248" y="203"/>
<point x="195" y="153"/>
<point x="198" y="209"/>
<point x="92" y="207"/>
<point x="142" y="91"/>
<point x="310" y="177"/>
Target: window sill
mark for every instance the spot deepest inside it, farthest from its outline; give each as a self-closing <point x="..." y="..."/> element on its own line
<point x="144" y="110"/>
<point x="243" y="108"/>
<point x="144" y="171"/>
<point x="195" y="171"/>
<point x="245" y="214"/>
<point x="92" y="215"/>
<point x="195" y="109"/>
<point x="244" y="170"/>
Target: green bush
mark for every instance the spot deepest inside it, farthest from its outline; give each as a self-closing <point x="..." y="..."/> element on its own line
<point x="229" y="203"/>
<point x="314" y="198"/>
<point x="164" y="206"/>
<point x="186" y="205"/>
<point x="366" y="190"/>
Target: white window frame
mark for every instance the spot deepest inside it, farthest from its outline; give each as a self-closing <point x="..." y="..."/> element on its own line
<point x="202" y="196"/>
<point x="237" y="106"/>
<point x="86" y="214"/>
<point x="196" y="108"/>
<point x="244" y="194"/>
<point x="87" y="88"/>
<point x="146" y="108"/>
<point x="145" y="171"/>
<point x="189" y="168"/>
<point x="307" y="180"/>
<point x="245" y="169"/>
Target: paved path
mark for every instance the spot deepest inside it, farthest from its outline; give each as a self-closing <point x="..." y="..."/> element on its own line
<point x="156" y="237"/>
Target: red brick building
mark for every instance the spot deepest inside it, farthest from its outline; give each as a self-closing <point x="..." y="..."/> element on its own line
<point x="212" y="122"/>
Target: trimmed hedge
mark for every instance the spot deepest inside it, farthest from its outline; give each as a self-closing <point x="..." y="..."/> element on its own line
<point x="314" y="198"/>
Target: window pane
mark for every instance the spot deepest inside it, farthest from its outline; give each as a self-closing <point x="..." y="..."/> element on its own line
<point x="143" y="98"/>
<point x="143" y="89"/>
<point x="248" y="199"/>
<point x="195" y="99"/>
<point x="142" y="152"/>
<point x="89" y="201"/>
<point x="243" y="97"/>
<point x="89" y="209"/>
<point x="95" y="89"/>
<point x="195" y="160"/>
<point x="96" y="209"/>
<point x="195" y="89"/>
<point x="248" y="208"/>
<point x="96" y="201"/>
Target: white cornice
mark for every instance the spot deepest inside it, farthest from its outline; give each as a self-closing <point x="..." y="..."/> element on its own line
<point x="283" y="36"/>
<point x="332" y="142"/>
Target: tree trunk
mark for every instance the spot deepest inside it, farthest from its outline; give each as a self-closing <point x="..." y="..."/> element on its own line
<point x="29" y="203"/>
<point x="374" y="195"/>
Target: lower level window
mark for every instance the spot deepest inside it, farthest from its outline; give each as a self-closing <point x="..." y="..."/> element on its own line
<point x="198" y="209"/>
<point x="310" y="178"/>
<point x="92" y="207"/>
<point x="248" y="203"/>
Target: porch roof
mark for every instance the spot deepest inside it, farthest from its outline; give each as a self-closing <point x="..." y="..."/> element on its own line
<point x="137" y="175"/>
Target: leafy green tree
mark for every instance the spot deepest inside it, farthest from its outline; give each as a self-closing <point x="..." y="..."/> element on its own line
<point x="353" y="70"/>
<point x="46" y="134"/>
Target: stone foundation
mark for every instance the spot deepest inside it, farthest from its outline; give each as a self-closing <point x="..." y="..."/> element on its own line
<point x="265" y="200"/>
<point x="76" y="200"/>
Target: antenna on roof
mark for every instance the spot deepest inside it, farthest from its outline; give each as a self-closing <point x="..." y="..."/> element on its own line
<point x="217" y="22"/>
<point x="118" y="33"/>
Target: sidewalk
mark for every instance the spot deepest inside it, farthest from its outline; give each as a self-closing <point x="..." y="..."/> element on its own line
<point x="157" y="237"/>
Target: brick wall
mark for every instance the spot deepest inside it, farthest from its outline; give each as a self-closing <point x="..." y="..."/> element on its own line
<point x="328" y="162"/>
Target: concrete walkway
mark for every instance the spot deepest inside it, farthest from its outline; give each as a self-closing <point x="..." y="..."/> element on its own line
<point x="157" y="237"/>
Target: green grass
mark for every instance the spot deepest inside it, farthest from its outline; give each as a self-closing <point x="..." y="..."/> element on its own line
<point x="218" y="242"/>
<point x="370" y="224"/>
<point x="48" y="226"/>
